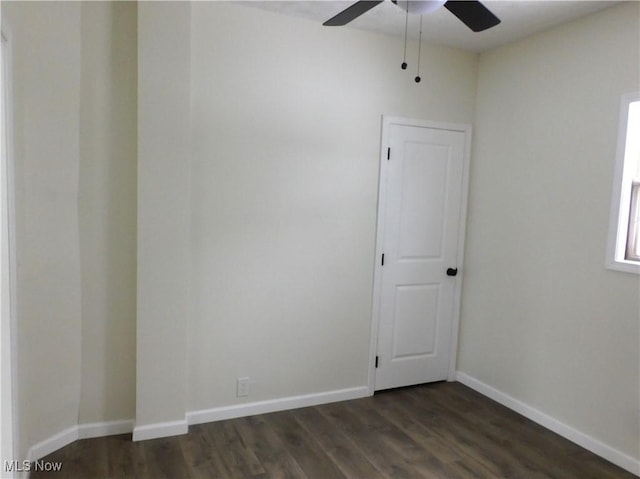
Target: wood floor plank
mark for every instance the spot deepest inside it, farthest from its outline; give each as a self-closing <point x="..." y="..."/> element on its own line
<point x="437" y="431"/>
<point x="126" y="459"/>
<point x="240" y="461"/>
<point x="269" y="448"/>
<point x="305" y="450"/>
<point x="80" y="457"/>
<point x="422" y="460"/>
<point x="373" y="438"/>
<point x="201" y="455"/>
<point x="393" y="408"/>
<point x="540" y="452"/>
<point x="342" y="450"/>
<point x="495" y="451"/>
<point x="163" y="459"/>
<point x="466" y="441"/>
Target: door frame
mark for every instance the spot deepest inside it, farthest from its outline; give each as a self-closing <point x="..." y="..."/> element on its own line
<point x="387" y="122"/>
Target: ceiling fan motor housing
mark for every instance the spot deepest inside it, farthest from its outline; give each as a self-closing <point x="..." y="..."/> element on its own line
<point x="420" y="7"/>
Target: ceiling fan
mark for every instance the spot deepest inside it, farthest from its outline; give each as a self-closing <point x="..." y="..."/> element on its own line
<point x="472" y="13"/>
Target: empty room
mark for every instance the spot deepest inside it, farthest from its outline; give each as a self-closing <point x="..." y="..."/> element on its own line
<point x="320" y="239"/>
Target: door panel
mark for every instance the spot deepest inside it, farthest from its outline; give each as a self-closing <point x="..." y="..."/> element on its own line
<point x="414" y="325"/>
<point x="424" y="178"/>
<point x="420" y="221"/>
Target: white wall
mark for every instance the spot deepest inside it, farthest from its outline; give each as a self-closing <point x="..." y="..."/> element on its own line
<point x="542" y="320"/>
<point x="163" y="216"/>
<point x="46" y="86"/>
<point x="107" y="209"/>
<point x="286" y="119"/>
<point x="75" y="150"/>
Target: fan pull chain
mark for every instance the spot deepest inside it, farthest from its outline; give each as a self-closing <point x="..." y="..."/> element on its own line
<point x="419" y="45"/>
<point x="404" y="58"/>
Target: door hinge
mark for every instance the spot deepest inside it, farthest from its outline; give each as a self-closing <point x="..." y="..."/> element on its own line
<point x="377" y="362"/>
<point x="382" y="262"/>
<point x="388" y="153"/>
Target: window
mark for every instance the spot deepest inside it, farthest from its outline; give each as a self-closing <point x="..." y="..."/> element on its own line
<point x="632" y="252"/>
<point x="623" y="250"/>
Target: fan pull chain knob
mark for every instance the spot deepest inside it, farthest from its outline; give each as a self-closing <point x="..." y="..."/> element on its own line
<point x="404" y="58"/>
<point x="417" y="79"/>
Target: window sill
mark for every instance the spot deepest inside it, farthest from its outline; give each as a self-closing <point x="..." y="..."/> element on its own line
<point x="624" y="266"/>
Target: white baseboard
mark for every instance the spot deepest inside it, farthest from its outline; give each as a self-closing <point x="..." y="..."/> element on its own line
<point x="53" y="443"/>
<point x="591" y="444"/>
<point x="160" y="429"/>
<point x="281" y="404"/>
<point x="101" y="429"/>
<point x="153" y="431"/>
<point x="174" y="428"/>
<point x="81" y="431"/>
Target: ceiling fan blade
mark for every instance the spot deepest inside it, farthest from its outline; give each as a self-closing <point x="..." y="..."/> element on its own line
<point x="473" y="14"/>
<point x="351" y="13"/>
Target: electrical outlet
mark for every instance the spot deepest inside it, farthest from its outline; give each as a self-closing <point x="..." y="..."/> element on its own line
<point x="242" y="387"/>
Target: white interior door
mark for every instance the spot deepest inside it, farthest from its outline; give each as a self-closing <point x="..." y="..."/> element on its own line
<point x="421" y="209"/>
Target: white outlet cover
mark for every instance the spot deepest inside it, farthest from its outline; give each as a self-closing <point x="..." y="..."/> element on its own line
<point x="242" y="387"/>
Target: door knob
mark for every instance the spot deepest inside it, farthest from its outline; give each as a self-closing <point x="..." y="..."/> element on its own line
<point x="452" y="271"/>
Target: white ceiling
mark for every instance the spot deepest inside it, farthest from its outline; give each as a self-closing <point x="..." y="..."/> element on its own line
<point x="520" y="18"/>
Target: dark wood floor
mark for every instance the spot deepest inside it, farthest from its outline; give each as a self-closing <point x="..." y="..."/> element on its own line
<point x="441" y="430"/>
